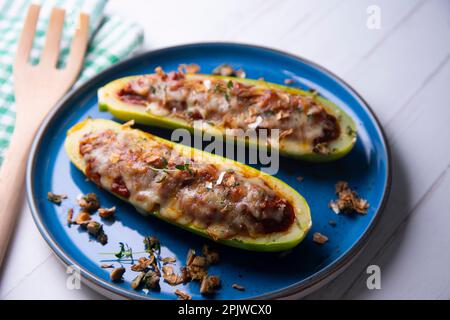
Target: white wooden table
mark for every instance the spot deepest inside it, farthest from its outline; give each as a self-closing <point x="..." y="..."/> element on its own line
<point x="402" y="69"/>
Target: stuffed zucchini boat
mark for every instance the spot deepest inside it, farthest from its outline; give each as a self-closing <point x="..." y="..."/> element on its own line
<point x="309" y="126"/>
<point x="212" y="196"/>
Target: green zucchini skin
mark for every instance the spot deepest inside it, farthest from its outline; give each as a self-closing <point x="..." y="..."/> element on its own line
<point x="108" y="102"/>
<point x="279" y="241"/>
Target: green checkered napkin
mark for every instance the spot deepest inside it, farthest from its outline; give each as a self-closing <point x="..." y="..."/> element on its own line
<point x="112" y="39"/>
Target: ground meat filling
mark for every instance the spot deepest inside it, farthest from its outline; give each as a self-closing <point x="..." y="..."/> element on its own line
<point x="233" y="105"/>
<point x="157" y="178"/>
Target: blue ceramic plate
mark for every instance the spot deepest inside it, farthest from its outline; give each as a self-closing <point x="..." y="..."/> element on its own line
<point x="266" y="275"/>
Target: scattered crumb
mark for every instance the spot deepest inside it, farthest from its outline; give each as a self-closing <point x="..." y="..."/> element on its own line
<point x="95" y="229"/>
<point x="209" y="285"/>
<point x="106" y="266"/>
<point x="170" y="276"/>
<point x="189" y="68"/>
<point x="116" y="274"/>
<point x="56" y="198"/>
<point x="348" y="200"/>
<point x="151" y="279"/>
<point x="82" y="217"/>
<point x="228" y="71"/>
<point x="89" y="202"/>
<point x="332" y="223"/>
<point x="143" y="263"/>
<point x="182" y="295"/>
<point x="107" y="212"/>
<point x="238" y="287"/>
<point x="190" y="257"/>
<point x="168" y="260"/>
<point x="69" y="216"/>
<point x="319" y="238"/>
<point x="102" y="238"/>
<point x="300" y="179"/>
<point x="136" y="283"/>
<point x="289" y="81"/>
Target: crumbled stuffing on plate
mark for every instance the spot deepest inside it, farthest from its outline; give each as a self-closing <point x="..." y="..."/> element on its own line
<point x="82" y="218"/>
<point x="136" y="283"/>
<point x="116" y="274"/>
<point x="69" y="216"/>
<point x="189" y="68"/>
<point x="228" y="71"/>
<point x="89" y="202"/>
<point x="348" y="200"/>
<point x="56" y="198"/>
<point x="182" y="295"/>
<point x="171" y="277"/>
<point x="238" y="287"/>
<point x="209" y="285"/>
<point x="143" y="264"/>
<point x="319" y="238"/>
<point x="168" y="260"/>
<point x="107" y="212"/>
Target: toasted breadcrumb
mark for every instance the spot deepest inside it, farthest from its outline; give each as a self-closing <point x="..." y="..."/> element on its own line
<point x="182" y="295"/>
<point x="319" y="238"/>
<point x="116" y="274"/>
<point x="69" y="216"/>
<point x="168" y="260"/>
<point x="189" y="68"/>
<point x="142" y="264"/>
<point x="89" y="202"/>
<point x="107" y="212"/>
<point x="106" y="266"/>
<point x="56" y="198"/>
<point x="82" y="217"/>
<point x="209" y="285"/>
<point x="348" y="200"/>
<point x="170" y="276"/>
<point x="238" y="287"/>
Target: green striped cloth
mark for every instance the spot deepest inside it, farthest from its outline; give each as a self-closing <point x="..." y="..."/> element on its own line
<point x="112" y="39"/>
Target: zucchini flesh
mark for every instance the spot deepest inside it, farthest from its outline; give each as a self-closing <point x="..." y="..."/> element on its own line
<point x="275" y="241"/>
<point x="109" y="100"/>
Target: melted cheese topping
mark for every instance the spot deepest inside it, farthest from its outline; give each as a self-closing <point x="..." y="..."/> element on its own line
<point x="156" y="178"/>
<point x="233" y="105"/>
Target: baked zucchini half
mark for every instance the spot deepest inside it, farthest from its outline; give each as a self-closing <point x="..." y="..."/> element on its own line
<point x="209" y="195"/>
<point x="310" y="127"/>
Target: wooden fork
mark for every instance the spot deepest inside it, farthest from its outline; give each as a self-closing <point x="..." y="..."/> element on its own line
<point x="37" y="89"/>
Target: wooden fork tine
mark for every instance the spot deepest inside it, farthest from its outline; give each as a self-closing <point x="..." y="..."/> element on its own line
<point x="27" y="36"/>
<point x="78" y="47"/>
<point x="50" y="54"/>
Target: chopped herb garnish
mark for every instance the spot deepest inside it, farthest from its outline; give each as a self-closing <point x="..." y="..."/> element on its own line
<point x="152" y="244"/>
<point x="125" y="251"/>
<point x="230" y="84"/>
<point x="184" y="167"/>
